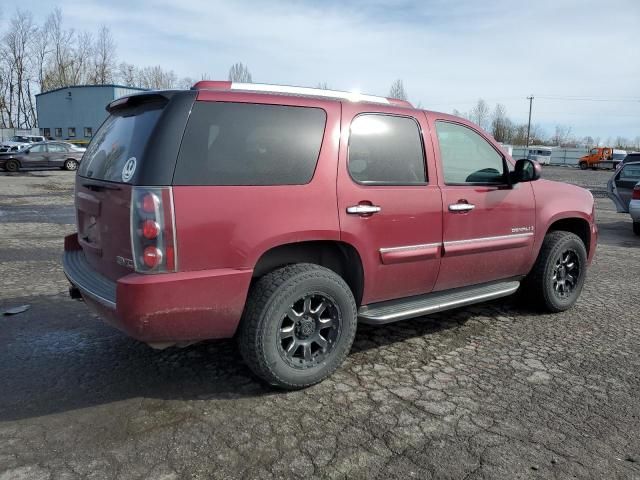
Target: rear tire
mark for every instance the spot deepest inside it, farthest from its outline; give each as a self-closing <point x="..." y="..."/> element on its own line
<point x="583" y="165"/>
<point x="556" y="280"/>
<point x="12" y="166"/>
<point x="298" y="325"/>
<point x="70" y="165"/>
<point x="636" y="228"/>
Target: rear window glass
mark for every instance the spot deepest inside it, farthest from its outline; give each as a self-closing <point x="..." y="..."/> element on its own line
<point x="250" y="144"/>
<point x="116" y="150"/>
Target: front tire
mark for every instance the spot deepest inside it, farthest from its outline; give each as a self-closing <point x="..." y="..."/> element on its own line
<point x="636" y="228"/>
<point x="12" y="166"/>
<point x="583" y="165"/>
<point x="558" y="275"/>
<point x="298" y="325"/>
<point x="70" y="165"/>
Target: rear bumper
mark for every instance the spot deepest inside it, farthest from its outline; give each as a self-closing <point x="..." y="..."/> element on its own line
<point x="168" y="307"/>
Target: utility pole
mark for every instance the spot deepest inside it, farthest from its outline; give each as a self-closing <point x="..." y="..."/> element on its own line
<point x="529" y="124"/>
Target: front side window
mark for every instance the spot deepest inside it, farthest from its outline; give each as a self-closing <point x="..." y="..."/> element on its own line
<point x="386" y="150"/>
<point x="250" y="144"/>
<point x="72" y="132"/>
<point x="467" y="158"/>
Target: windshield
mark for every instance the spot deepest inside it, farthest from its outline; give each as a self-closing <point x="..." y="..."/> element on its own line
<point x="18" y="138"/>
<point x="116" y="150"/>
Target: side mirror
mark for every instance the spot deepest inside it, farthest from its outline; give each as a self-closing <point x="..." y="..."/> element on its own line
<point x="27" y="150"/>
<point x="526" y="171"/>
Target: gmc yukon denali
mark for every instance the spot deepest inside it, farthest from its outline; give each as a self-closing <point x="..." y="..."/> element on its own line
<point x="283" y="216"/>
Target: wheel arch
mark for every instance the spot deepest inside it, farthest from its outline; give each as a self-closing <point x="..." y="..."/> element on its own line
<point x="340" y="257"/>
<point x="576" y="225"/>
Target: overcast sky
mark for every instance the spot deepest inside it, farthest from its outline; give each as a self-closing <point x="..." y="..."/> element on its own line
<point x="447" y="53"/>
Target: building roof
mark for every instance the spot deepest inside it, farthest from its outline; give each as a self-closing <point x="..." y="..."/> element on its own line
<point x="110" y="85"/>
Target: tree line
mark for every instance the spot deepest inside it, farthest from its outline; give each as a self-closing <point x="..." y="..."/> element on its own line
<point x="37" y="58"/>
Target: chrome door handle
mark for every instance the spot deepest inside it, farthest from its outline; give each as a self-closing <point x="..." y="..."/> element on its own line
<point x="363" y="209"/>
<point x="461" y="207"/>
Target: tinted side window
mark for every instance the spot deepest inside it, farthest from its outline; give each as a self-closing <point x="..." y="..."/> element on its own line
<point x="386" y="150"/>
<point x="55" y="148"/>
<point x="38" y="149"/>
<point x="467" y="157"/>
<point x="630" y="172"/>
<point x="250" y="144"/>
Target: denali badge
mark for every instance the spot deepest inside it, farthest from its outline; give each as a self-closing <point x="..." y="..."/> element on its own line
<point x="522" y="229"/>
<point x="124" y="262"/>
<point x="129" y="169"/>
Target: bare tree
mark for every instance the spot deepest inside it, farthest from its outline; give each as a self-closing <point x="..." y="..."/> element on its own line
<point x="104" y="58"/>
<point x="240" y="73"/>
<point x="155" y="78"/>
<point x="480" y="114"/>
<point x="59" y="73"/>
<point x="562" y="135"/>
<point x="127" y="74"/>
<point x="621" y="142"/>
<point x="323" y="86"/>
<point x="501" y="126"/>
<point x="397" y="90"/>
<point x="15" y="53"/>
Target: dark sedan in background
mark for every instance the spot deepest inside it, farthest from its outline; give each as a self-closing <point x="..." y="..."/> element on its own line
<point x="43" y="155"/>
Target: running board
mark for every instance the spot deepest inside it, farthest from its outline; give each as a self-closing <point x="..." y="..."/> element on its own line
<point x="410" y="307"/>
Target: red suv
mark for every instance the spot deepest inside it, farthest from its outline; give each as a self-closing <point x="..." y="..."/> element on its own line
<point x="284" y="216"/>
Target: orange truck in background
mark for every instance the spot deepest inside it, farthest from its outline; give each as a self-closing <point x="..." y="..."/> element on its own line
<point x="601" y="157"/>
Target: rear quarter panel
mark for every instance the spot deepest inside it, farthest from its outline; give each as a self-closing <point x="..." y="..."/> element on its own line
<point x="232" y="226"/>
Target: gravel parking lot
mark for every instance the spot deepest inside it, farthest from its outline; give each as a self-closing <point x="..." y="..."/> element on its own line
<point x="490" y="391"/>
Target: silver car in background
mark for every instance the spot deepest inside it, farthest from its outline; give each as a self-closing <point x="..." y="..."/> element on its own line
<point x="624" y="189"/>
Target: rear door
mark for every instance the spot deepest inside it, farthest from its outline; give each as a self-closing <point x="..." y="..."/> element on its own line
<point x="56" y="155"/>
<point x="389" y="203"/>
<point x="625" y="180"/>
<point x="488" y="226"/>
<point x="36" y="157"/>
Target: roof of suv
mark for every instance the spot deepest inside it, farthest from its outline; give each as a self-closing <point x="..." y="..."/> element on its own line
<point x="298" y="91"/>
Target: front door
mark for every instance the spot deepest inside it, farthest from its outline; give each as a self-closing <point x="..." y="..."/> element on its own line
<point x="390" y="207"/>
<point x="488" y="226"/>
<point x="37" y="156"/>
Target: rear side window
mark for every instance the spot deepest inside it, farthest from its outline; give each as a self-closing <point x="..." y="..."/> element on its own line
<point x="116" y="150"/>
<point x="630" y="172"/>
<point x="386" y="150"/>
<point x="250" y="144"/>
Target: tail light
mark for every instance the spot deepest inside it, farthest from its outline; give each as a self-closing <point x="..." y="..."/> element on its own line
<point x="635" y="195"/>
<point x="153" y="234"/>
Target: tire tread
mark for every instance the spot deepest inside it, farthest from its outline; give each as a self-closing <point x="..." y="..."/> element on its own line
<point x="263" y="292"/>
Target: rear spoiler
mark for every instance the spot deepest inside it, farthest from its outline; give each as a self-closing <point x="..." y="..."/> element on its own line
<point x="138" y="99"/>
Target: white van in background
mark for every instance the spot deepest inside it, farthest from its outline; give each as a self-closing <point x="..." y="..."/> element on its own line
<point x="542" y="155"/>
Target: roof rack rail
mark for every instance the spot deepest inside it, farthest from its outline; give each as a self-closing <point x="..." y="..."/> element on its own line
<point x="315" y="92"/>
